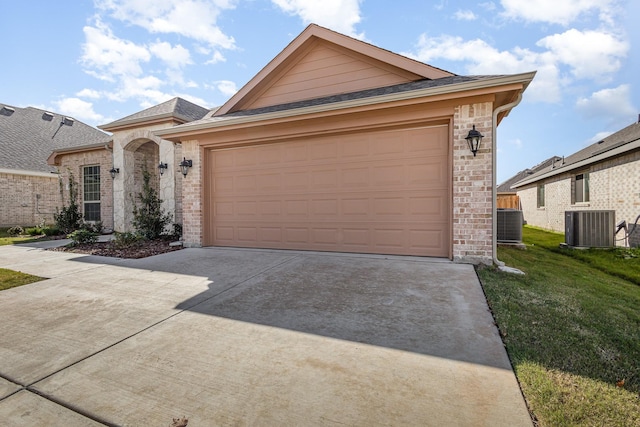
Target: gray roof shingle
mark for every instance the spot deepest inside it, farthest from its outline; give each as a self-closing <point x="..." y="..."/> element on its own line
<point x="178" y="108"/>
<point x="597" y="152"/>
<point x="505" y="187"/>
<point x="29" y="135"/>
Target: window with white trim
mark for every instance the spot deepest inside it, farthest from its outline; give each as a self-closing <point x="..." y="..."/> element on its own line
<point x="540" y="197"/>
<point x="581" y="188"/>
<point x="91" y="192"/>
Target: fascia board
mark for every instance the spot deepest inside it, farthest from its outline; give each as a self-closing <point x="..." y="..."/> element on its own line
<point x="458" y="89"/>
<point x="586" y="162"/>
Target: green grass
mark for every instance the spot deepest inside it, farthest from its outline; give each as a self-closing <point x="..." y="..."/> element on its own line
<point x="5" y="239"/>
<point x="11" y="279"/>
<point x="572" y="331"/>
<point x="620" y="262"/>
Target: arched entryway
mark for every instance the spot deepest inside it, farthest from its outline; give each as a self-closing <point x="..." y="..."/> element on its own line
<point x="137" y="152"/>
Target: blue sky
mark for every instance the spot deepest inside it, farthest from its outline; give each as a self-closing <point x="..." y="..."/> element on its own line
<point x="101" y="60"/>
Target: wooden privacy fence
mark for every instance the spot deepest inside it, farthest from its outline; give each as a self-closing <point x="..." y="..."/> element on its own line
<point x="508" y="201"/>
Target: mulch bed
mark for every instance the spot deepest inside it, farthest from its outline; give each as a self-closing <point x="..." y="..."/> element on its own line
<point x="137" y="250"/>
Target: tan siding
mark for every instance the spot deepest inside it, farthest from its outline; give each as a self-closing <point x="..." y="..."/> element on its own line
<point x="325" y="71"/>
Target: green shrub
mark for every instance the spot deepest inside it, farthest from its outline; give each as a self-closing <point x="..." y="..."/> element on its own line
<point x="126" y="239"/>
<point x="34" y="231"/>
<point x="15" y="231"/>
<point x="83" y="236"/>
<point x="69" y="218"/>
<point x="51" y="231"/>
<point x="95" y="227"/>
<point x="149" y="219"/>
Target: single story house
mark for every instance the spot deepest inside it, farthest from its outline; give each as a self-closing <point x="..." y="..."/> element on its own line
<point x="335" y="145"/>
<point x="29" y="187"/>
<point x="602" y="176"/>
<point x="508" y="196"/>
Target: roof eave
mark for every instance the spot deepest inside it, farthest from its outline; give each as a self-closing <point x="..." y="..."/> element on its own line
<point x="124" y="124"/>
<point x="630" y="146"/>
<point x="52" y="160"/>
<point x="453" y="89"/>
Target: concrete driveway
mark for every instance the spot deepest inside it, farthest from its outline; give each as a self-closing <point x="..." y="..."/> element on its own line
<point x="250" y="337"/>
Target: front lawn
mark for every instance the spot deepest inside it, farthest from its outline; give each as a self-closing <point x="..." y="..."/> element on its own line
<point x="11" y="279"/>
<point x="6" y="239"/>
<point x="571" y="327"/>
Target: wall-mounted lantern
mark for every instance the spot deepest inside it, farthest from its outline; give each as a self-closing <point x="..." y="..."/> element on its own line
<point x="162" y="167"/>
<point x="185" y="165"/>
<point x="474" y="138"/>
<point x="114" y="171"/>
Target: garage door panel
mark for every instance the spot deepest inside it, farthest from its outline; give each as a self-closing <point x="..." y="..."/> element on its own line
<point x="376" y="192"/>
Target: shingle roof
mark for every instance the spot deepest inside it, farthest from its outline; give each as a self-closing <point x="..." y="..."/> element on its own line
<point x="29" y="135"/>
<point x="177" y="108"/>
<point x="615" y="144"/>
<point x="369" y="93"/>
<point x="505" y="187"/>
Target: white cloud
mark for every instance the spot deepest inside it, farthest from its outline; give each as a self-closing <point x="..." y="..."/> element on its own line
<point x="195" y="19"/>
<point x="226" y="87"/>
<point x="79" y="109"/>
<point x="339" y="15"/>
<point x="107" y="56"/>
<point x="613" y="105"/>
<point x="556" y="12"/>
<point x="590" y="54"/>
<point x="89" y="93"/>
<point x="482" y="58"/>
<point x="215" y="58"/>
<point x="563" y="58"/>
<point x="174" y="56"/>
<point x="465" y="15"/>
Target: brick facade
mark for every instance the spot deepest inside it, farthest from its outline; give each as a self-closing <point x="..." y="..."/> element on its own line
<point x="191" y="196"/>
<point x="472" y="186"/>
<point x="28" y="199"/>
<point x="613" y="184"/>
<point x="74" y="163"/>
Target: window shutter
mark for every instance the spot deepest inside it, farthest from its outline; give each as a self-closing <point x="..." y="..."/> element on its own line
<point x="573" y="189"/>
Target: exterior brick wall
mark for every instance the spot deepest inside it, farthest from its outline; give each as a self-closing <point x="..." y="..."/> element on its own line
<point x="74" y="163"/>
<point x="191" y="201"/>
<point x="613" y="184"/>
<point x="28" y="199"/>
<point x="472" y="186"/>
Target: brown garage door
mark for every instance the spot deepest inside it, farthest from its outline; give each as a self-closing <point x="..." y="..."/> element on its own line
<point x="382" y="192"/>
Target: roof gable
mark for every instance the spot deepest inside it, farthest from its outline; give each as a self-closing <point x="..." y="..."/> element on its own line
<point x="177" y="109"/>
<point x="321" y="63"/>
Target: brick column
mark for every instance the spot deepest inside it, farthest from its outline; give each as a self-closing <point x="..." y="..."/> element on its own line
<point x="191" y="197"/>
<point x="472" y="182"/>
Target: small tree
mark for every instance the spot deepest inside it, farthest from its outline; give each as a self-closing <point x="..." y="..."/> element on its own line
<point x="149" y="219"/>
<point x="69" y="218"/>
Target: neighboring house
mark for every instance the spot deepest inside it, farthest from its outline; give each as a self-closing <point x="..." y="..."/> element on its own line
<point x="29" y="187"/>
<point x="508" y="196"/>
<point x="336" y="145"/>
<point x="602" y="176"/>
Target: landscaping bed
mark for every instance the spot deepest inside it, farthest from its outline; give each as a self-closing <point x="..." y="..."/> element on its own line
<point x="141" y="249"/>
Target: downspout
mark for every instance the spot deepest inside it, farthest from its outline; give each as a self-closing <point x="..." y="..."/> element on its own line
<point x="494" y="188"/>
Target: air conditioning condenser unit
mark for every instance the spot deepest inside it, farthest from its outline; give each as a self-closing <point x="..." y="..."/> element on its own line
<point x="590" y="229"/>
<point x="509" y="226"/>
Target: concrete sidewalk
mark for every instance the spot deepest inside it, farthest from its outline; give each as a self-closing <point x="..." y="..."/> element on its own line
<point x="250" y="337"/>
